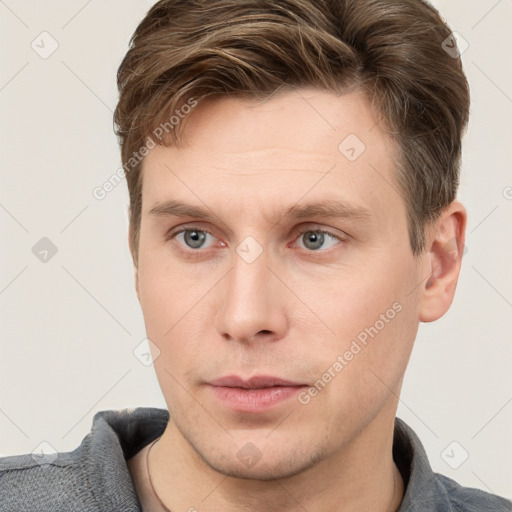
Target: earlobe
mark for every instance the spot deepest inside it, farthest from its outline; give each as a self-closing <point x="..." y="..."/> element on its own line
<point x="444" y="251"/>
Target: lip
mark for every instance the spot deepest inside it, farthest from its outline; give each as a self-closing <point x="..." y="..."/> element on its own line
<point x="256" y="394"/>
<point x="255" y="382"/>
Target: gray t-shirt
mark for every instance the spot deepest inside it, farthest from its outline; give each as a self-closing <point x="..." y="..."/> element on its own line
<point x="95" y="476"/>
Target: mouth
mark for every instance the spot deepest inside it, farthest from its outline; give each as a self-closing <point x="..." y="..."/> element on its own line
<point x="256" y="394"/>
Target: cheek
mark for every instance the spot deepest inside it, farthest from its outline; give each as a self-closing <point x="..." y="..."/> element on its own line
<point x="173" y="303"/>
<point x="164" y="292"/>
<point x="358" y="297"/>
<point x="373" y="318"/>
<point x="374" y="377"/>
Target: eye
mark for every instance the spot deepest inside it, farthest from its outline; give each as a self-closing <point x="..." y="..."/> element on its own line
<point x="314" y="240"/>
<point x="194" y="238"/>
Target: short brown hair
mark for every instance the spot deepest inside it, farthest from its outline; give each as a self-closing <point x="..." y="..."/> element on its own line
<point x="390" y="49"/>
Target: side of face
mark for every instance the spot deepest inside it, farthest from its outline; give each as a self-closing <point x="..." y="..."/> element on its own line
<point x="255" y="291"/>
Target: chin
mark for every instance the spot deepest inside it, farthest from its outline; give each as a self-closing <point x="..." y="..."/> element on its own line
<point x="271" y="470"/>
<point x="271" y="463"/>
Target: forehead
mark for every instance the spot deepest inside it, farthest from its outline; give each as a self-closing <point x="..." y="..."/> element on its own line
<point x="306" y="122"/>
<point x="254" y="154"/>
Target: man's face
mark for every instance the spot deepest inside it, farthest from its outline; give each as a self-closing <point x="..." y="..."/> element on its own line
<point x="255" y="291"/>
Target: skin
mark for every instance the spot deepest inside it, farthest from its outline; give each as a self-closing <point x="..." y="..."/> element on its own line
<point x="289" y="313"/>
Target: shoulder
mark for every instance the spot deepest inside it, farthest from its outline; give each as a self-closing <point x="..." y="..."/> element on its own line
<point x="46" y="482"/>
<point x="467" y="499"/>
<point x="427" y="490"/>
<point x="93" y="477"/>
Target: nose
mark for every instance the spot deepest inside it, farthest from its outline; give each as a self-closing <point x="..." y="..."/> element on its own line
<point x="252" y="303"/>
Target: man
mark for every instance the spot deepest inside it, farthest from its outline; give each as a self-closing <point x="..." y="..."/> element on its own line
<point x="292" y="168"/>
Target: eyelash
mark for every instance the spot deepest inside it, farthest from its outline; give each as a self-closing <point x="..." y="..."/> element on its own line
<point x="295" y="234"/>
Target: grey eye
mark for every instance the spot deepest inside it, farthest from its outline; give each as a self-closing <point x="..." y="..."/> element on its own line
<point x="194" y="239"/>
<point x="317" y="240"/>
<point x="313" y="240"/>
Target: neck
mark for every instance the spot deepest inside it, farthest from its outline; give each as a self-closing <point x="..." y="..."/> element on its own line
<point x="361" y="476"/>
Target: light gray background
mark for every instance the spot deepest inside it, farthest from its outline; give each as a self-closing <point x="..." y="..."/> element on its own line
<point x="69" y="326"/>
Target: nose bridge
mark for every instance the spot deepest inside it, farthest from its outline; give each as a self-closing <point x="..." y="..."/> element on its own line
<point x="250" y="302"/>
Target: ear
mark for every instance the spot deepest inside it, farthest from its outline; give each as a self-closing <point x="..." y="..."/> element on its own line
<point x="443" y="258"/>
<point x="134" y="256"/>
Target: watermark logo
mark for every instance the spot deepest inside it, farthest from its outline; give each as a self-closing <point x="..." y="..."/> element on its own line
<point x="451" y="249"/>
<point x="44" y="453"/>
<point x="249" y="455"/>
<point x="249" y="249"/>
<point x="44" y="250"/>
<point x="455" y="455"/>
<point x="45" y="45"/>
<point x="146" y="352"/>
<point x="352" y="147"/>
<point x="455" y="45"/>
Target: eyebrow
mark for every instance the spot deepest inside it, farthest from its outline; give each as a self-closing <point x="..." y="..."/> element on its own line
<point x="323" y="209"/>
